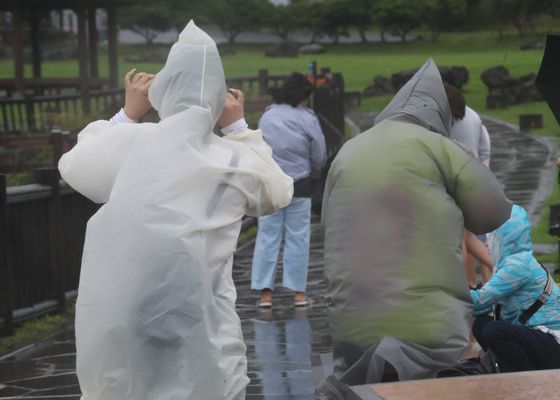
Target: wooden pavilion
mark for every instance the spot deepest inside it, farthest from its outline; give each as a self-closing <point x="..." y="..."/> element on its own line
<point x="32" y="12"/>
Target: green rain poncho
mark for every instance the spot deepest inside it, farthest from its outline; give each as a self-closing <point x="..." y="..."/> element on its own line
<point x="396" y="201"/>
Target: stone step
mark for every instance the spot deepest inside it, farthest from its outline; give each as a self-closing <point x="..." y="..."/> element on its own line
<point x="512" y="386"/>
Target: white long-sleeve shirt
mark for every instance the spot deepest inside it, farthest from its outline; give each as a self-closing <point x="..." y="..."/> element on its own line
<point x="470" y="132"/>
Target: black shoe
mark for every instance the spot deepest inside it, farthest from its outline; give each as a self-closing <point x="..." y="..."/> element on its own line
<point x="472" y="366"/>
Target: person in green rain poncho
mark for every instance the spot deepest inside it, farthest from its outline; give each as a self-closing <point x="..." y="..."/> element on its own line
<point x="396" y="200"/>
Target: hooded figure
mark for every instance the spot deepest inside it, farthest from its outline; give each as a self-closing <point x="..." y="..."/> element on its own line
<point x="396" y="200"/>
<point x="520" y="337"/>
<point x="519" y="279"/>
<point x="155" y="317"/>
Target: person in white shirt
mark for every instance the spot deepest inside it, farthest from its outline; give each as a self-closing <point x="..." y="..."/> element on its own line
<point x="472" y="135"/>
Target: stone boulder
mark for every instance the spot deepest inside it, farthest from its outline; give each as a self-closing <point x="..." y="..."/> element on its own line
<point x="532" y="46"/>
<point x="398" y="79"/>
<point x="381" y="86"/>
<point x="456" y="76"/>
<point x="313" y="48"/>
<point x="505" y="90"/>
<point x="284" y="49"/>
<point x="497" y="77"/>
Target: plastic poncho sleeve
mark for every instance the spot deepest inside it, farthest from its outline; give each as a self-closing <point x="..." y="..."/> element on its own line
<point x="274" y="189"/>
<point x="508" y="280"/>
<point x="91" y="166"/>
<point x="485" y="146"/>
<point x="476" y="190"/>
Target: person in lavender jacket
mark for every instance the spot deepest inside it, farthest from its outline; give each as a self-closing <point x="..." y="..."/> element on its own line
<point x="298" y="146"/>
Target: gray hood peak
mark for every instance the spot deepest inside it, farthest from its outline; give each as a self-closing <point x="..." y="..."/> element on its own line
<point x="423" y="98"/>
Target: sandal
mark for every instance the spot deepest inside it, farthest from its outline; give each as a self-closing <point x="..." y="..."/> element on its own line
<point x="264" y="304"/>
<point x="303" y="303"/>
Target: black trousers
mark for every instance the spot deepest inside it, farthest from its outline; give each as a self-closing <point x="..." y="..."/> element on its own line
<point x="516" y="347"/>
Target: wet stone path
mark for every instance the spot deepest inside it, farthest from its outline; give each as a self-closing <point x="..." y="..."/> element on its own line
<point x="285" y="346"/>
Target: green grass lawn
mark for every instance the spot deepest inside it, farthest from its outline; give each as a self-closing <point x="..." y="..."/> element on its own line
<point x="360" y="63"/>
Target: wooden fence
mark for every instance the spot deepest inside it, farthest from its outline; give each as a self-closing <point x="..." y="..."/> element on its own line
<point x="42" y="229"/>
<point x="39" y="114"/>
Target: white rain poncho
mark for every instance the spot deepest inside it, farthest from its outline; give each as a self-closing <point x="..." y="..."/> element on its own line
<point x="155" y="317"/>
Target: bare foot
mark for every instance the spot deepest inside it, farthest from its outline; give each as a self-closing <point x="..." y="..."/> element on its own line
<point x="299" y="296"/>
<point x="266" y="298"/>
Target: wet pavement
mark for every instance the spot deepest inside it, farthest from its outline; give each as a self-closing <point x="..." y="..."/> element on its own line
<point x="285" y="346"/>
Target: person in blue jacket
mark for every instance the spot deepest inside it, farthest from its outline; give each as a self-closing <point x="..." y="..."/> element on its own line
<point x="518" y="282"/>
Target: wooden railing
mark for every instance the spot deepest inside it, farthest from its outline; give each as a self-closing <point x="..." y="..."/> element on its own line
<point x="34" y="114"/>
<point x="50" y="86"/>
<point x="41" y="113"/>
<point x="42" y="229"/>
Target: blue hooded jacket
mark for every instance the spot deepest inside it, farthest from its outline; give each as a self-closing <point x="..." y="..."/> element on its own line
<point x="519" y="278"/>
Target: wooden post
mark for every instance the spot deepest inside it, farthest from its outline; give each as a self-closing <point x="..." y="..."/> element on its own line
<point x="17" y="48"/>
<point x="35" y="25"/>
<point x="112" y="37"/>
<point x="57" y="145"/>
<point x="263" y="81"/>
<point x="82" y="59"/>
<point x="93" y="40"/>
<point x="338" y="83"/>
<point x="30" y="111"/>
<point x="51" y="177"/>
<point x="6" y="283"/>
<point x="528" y="122"/>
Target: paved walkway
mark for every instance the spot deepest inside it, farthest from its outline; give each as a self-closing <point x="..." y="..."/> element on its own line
<point x="283" y="344"/>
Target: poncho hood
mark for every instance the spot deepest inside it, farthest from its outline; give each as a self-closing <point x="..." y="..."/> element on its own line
<point x="513" y="237"/>
<point x="192" y="76"/>
<point x="423" y="98"/>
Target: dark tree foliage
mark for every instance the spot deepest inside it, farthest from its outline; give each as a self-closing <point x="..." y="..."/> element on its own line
<point x="521" y="14"/>
<point x="147" y="20"/>
<point x="236" y="16"/>
<point x="282" y="20"/>
<point x="443" y="15"/>
<point x="398" y="17"/>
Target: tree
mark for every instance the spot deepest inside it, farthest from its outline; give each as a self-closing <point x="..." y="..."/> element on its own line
<point x="147" y="20"/>
<point x="236" y="16"/>
<point x="399" y="17"/>
<point x="441" y="15"/>
<point x="282" y="20"/>
<point x="341" y="15"/>
<point x="521" y="14"/>
<point x="333" y="19"/>
<point x="182" y="11"/>
<point x="361" y="15"/>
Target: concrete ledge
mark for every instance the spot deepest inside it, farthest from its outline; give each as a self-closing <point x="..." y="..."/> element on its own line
<point x="514" y="386"/>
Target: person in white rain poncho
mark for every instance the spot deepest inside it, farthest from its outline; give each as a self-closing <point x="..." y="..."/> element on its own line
<point x="155" y="317"/>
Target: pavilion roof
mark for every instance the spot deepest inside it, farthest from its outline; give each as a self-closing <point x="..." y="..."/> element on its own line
<point x="62" y="4"/>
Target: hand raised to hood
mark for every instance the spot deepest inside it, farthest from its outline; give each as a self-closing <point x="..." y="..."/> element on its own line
<point x="233" y="108"/>
<point x="136" y="93"/>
